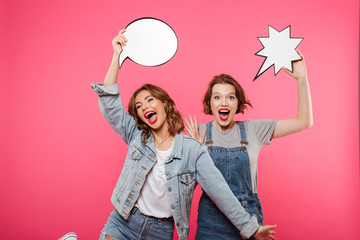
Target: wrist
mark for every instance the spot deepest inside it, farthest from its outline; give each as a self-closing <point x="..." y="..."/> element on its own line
<point x="116" y="56"/>
<point x="115" y="60"/>
<point x="302" y="79"/>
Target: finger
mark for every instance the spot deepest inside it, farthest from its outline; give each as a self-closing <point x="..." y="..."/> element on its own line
<point x="196" y="124"/>
<point x="286" y="70"/>
<point x="187" y="123"/>
<point x="272" y="226"/>
<point x="187" y="130"/>
<point x="123" y="38"/>
<point x="192" y="124"/>
<point x="302" y="56"/>
<point x="122" y="41"/>
<point x="118" y="40"/>
<point x="121" y="35"/>
<point x="271" y="237"/>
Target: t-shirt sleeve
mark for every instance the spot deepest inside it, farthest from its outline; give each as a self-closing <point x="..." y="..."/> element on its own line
<point x="262" y="130"/>
<point x="201" y="127"/>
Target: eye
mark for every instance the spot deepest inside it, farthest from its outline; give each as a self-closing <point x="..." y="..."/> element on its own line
<point x="150" y="99"/>
<point x="232" y="97"/>
<point x="216" y="97"/>
<point x="137" y="106"/>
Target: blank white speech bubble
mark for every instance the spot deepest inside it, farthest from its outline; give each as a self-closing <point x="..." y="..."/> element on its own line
<point x="151" y="42"/>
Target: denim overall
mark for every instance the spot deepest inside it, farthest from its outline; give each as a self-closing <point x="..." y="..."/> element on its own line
<point x="234" y="165"/>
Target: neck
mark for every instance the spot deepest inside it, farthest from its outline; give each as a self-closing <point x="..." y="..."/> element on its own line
<point x="225" y="128"/>
<point x="162" y="133"/>
<point x="163" y="139"/>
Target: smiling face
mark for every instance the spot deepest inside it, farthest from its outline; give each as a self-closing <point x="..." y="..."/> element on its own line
<point x="151" y="110"/>
<point x="223" y="105"/>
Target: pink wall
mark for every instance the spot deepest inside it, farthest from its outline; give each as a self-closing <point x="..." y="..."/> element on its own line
<point x="60" y="160"/>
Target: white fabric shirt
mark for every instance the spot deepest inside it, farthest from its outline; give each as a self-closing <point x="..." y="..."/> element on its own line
<point x="154" y="198"/>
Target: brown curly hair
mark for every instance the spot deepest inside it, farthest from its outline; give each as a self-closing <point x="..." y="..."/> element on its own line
<point x="239" y="92"/>
<point x="173" y="116"/>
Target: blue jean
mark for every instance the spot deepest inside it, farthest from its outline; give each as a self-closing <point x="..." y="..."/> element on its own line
<point x="137" y="226"/>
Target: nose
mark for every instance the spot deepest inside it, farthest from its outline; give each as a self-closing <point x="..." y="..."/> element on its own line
<point x="224" y="102"/>
<point x="144" y="106"/>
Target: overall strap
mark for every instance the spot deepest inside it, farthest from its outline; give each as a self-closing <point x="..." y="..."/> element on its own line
<point x="243" y="140"/>
<point x="208" y="137"/>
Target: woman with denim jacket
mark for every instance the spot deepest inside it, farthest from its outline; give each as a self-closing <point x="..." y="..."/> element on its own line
<point x="162" y="167"/>
<point x="234" y="146"/>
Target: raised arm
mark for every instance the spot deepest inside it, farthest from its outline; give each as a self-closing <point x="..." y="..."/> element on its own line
<point x="117" y="42"/>
<point x="110" y="102"/>
<point x="304" y="116"/>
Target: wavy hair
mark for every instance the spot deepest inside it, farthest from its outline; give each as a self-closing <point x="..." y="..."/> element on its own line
<point x="173" y="116"/>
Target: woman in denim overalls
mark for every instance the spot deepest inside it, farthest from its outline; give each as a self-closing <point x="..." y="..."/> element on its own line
<point x="223" y="99"/>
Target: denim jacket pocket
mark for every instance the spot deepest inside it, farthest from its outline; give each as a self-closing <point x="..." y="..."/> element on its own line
<point x="136" y="155"/>
<point x="187" y="182"/>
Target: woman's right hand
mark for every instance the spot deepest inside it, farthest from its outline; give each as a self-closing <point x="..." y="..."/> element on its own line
<point x="119" y="41"/>
<point x="265" y="232"/>
<point x="193" y="130"/>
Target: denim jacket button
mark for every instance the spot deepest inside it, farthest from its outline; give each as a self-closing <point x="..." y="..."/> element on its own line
<point x="172" y="206"/>
<point x="169" y="188"/>
<point x="167" y="173"/>
<point x="177" y="224"/>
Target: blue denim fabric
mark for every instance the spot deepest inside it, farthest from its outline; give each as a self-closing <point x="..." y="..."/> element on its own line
<point x="188" y="164"/>
<point x="138" y="226"/>
<point x="233" y="163"/>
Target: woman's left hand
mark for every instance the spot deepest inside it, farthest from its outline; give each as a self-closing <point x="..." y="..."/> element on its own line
<point x="298" y="67"/>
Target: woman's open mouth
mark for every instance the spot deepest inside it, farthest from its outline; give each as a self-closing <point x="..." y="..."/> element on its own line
<point x="151" y="116"/>
<point x="224" y="114"/>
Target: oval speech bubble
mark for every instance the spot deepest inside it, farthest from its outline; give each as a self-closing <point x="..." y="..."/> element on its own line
<point x="151" y="42"/>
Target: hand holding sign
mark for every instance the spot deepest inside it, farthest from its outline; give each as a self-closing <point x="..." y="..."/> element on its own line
<point x="279" y="50"/>
<point x="151" y="42"/>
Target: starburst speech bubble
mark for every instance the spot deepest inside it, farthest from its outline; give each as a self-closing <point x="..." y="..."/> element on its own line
<point x="279" y="50"/>
<point x="151" y="42"/>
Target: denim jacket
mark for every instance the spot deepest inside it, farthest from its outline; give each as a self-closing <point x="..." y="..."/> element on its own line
<point x="188" y="164"/>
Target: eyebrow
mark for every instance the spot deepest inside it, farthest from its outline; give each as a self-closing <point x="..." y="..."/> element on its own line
<point x="144" y="99"/>
<point x="224" y="94"/>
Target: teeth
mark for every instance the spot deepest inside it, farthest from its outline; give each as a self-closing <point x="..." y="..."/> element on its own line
<point x="224" y="111"/>
<point x="149" y="114"/>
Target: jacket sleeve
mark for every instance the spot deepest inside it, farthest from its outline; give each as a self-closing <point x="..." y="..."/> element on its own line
<point x="213" y="183"/>
<point x="114" y="112"/>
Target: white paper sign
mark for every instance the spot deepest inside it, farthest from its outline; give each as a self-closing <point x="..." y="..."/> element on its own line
<point x="151" y="42"/>
<point x="279" y="50"/>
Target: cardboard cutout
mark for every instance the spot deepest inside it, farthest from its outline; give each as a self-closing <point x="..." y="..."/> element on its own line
<point x="279" y="50"/>
<point x="151" y="42"/>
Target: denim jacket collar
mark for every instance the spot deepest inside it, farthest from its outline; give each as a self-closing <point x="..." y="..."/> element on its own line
<point x="177" y="147"/>
<point x="150" y="149"/>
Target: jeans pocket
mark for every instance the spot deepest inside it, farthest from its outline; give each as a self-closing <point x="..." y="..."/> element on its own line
<point x="166" y="226"/>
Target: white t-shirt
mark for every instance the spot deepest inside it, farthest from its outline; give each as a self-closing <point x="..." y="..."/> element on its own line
<point x="154" y="198"/>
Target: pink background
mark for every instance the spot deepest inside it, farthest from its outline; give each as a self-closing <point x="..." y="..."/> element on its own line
<point x="60" y="160"/>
